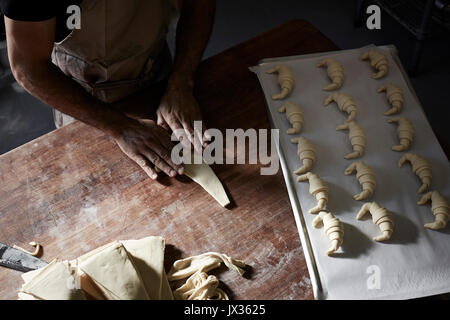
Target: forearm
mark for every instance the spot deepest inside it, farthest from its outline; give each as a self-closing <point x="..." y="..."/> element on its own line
<point x="193" y="32"/>
<point x="46" y="82"/>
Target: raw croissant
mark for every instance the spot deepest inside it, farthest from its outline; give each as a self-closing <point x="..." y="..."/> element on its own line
<point x="335" y="71"/>
<point x="357" y="139"/>
<point x="306" y="153"/>
<point x="420" y="166"/>
<point x="344" y="102"/>
<point x="394" y="95"/>
<point x="317" y="188"/>
<point x="378" y="61"/>
<point x="381" y="217"/>
<point x="295" y="116"/>
<point x="333" y="228"/>
<point x="405" y="133"/>
<point x="285" y="79"/>
<point x="440" y="208"/>
<point x="365" y="176"/>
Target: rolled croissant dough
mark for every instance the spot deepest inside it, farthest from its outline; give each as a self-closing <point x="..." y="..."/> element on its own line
<point x="205" y="176"/>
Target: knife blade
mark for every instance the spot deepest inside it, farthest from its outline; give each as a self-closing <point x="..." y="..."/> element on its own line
<point x="18" y="260"/>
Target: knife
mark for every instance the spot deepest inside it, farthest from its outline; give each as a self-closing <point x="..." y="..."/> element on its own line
<point x="18" y="260"/>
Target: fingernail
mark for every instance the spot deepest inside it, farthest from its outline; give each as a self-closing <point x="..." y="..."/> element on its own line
<point x="181" y="170"/>
<point x="154" y="176"/>
<point x="172" y="173"/>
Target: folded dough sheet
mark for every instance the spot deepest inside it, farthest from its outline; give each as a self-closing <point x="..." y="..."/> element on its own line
<point x="415" y="262"/>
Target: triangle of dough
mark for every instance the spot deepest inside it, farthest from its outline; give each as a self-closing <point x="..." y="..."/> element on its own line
<point x="205" y="176"/>
<point x="113" y="271"/>
<point x="56" y="281"/>
<point x="148" y="258"/>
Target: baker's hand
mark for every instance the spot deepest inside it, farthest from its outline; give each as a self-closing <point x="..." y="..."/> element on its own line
<point x="148" y="145"/>
<point x="178" y="110"/>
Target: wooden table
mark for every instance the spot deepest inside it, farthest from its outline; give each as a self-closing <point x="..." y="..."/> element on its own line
<point x="73" y="190"/>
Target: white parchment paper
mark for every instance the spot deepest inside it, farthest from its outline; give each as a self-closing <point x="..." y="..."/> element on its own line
<point x="415" y="262"/>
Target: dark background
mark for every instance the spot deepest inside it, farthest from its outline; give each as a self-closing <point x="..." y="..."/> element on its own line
<point x="23" y="118"/>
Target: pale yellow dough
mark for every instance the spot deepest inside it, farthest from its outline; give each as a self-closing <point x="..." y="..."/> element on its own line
<point x="344" y="102"/>
<point x="394" y="95"/>
<point x="440" y="208"/>
<point x="295" y="116"/>
<point x="286" y="81"/>
<point x="378" y="61"/>
<point x="115" y="274"/>
<point x="357" y="139"/>
<point x="56" y="281"/>
<point x="128" y="269"/>
<point x="318" y="188"/>
<point x="405" y="133"/>
<point x="200" y="286"/>
<point x="205" y="176"/>
<point x="335" y="71"/>
<point x="381" y="217"/>
<point x="333" y="227"/>
<point x="420" y="166"/>
<point x="306" y="153"/>
<point x="365" y="176"/>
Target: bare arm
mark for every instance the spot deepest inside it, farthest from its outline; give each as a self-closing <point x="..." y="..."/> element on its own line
<point x="29" y="50"/>
<point x="179" y="108"/>
<point x="30" y="46"/>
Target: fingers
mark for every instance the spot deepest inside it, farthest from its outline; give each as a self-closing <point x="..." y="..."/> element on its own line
<point x="143" y="163"/>
<point x="154" y="158"/>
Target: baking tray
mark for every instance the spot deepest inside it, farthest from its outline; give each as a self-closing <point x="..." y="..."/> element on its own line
<point x="415" y="262"/>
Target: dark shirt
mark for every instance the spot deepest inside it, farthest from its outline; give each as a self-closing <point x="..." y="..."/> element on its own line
<point x="40" y="10"/>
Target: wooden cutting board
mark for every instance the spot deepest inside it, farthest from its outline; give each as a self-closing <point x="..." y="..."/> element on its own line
<point x="73" y="190"/>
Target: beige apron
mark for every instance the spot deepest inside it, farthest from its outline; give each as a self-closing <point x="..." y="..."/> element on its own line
<point x="119" y="49"/>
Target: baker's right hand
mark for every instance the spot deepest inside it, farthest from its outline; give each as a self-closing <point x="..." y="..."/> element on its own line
<point x="149" y="145"/>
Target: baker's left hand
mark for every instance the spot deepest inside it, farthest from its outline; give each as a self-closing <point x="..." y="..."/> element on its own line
<point x="179" y="109"/>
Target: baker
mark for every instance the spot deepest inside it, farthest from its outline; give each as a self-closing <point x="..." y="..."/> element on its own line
<point x="115" y="72"/>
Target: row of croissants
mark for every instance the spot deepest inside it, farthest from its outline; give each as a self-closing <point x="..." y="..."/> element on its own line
<point x="381" y="217"/>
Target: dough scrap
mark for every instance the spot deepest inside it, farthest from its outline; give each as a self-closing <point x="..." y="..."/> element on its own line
<point x="335" y="71"/>
<point x="333" y="227"/>
<point x="420" y="166"/>
<point x="381" y="217"/>
<point x="35" y="253"/>
<point x="200" y="286"/>
<point x="440" y="208"/>
<point x="365" y="176"/>
<point x="405" y="133"/>
<point x="344" y="102"/>
<point x="378" y="61"/>
<point x="204" y="262"/>
<point x="286" y="81"/>
<point x="306" y="153"/>
<point x="357" y="139"/>
<point x="295" y="116"/>
<point x="318" y="188"/>
<point x="394" y="95"/>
